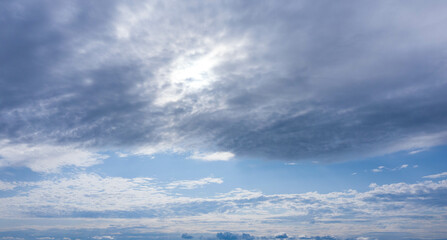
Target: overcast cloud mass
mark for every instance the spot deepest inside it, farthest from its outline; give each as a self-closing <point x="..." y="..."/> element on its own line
<point x="297" y="80"/>
<point x="84" y="83"/>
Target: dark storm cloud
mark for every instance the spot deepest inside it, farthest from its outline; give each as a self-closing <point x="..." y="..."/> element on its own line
<point x="297" y="79"/>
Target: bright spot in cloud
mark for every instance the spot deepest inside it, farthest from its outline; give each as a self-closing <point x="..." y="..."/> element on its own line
<point x="194" y="71"/>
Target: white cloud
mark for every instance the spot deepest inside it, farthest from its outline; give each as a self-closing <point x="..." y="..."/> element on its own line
<point x="439" y="175"/>
<point x="6" y="186"/>
<point x="239" y="209"/>
<point x="382" y="168"/>
<point x="417" y="144"/>
<point x="417" y="151"/>
<point x="217" y="156"/>
<point x="121" y="155"/>
<point x="85" y="192"/>
<point x="379" y="169"/>
<point x="44" y="157"/>
<point x="103" y="237"/>
<point x="191" y="184"/>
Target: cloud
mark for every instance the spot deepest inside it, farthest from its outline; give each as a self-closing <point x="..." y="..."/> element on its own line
<point x="439" y="175"/>
<point x="217" y="156"/>
<point x="234" y="236"/>
<point x="103" y="237"/>
<point x="293" y="87"/>
<point x="122" y="155"/>
<point x="133" y="202"/>
<point x="379" y="169"/>
<point x="282" y="236"/>
<point x="403" y="166"/>
<point x="319" y="238"/>
<point x="191" y="184"/>
<point x="5" y="186"/>
<point x="187" y="236"/>
<point x="227" y="236"/>
<point x="417" y="151"/>
<point x="44" y="157"/>
<point x="382" y="168"/>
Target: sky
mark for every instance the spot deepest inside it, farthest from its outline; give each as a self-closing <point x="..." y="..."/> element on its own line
<point x="222" y="120"/>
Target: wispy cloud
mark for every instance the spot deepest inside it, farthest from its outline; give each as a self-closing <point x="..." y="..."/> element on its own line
<point x="382" y="168"/>
<point x="439" y="175"/>
<point x="45" y="157"/>
<point x="191" y="184"/>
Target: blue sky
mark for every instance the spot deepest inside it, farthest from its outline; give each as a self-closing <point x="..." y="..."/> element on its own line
<point x="223" y="120"/>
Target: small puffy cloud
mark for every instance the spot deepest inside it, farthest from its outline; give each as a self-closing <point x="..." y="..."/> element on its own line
<point x="403" y="166"/>
<point x="187" y="236"/>
<point x="246" y="236"/>
<point x="227" y="236"/>
<point x="217" y="156"/>
<point x="318" y="238"/>
<point x="379" y="169"/>
<point x="439" y="175"/>
<point x="282" y="236"/>
<point x="44" y="157"/>
<point x="191" y="184"/>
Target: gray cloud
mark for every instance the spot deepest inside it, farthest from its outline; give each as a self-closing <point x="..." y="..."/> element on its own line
<point x="296" y="80"/>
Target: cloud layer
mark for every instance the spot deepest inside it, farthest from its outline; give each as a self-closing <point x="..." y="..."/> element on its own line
<point x="417" y="209"/>
<point x="296" y="80"/>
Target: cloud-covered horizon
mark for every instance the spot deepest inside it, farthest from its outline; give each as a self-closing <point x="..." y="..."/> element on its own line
<point x="419" y="207"/>
<point x="297" y="81"/>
